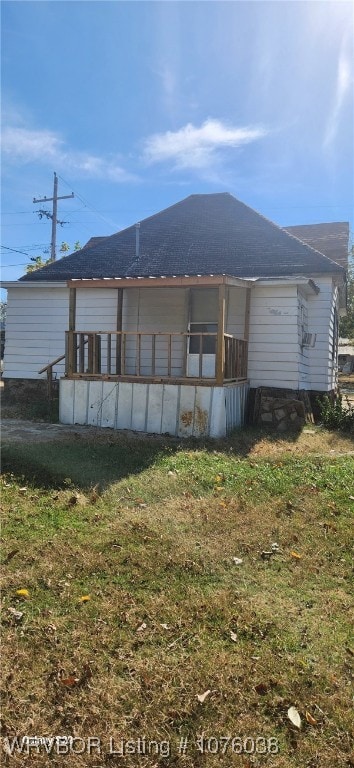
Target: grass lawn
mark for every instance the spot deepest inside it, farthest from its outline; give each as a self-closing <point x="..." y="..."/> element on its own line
<point x="140" y="623"/>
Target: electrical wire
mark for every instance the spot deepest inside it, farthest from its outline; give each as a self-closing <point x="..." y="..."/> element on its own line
<point x="87" y="204"/>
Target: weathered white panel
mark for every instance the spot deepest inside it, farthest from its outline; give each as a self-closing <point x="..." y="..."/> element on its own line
<point x="66" y="401"/>
<point x="94" y="408"/>
<point x="217" y="420"/>
<point x="202" y="411"/>
<point x="154" y="411"/>
<point x="109" y="402"/>
<point x="124" y="407"/>
<point x="139" y="407"/>
<point x="80" y="402"/>
<point x="236" y="396"/>
<point x="176" y="408"/>
<point x="169" y="409"/>
<point x="186" y="411"/>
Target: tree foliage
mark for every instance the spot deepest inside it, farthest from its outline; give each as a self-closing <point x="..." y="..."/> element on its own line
<point x="3" y="308"/>
<point x="346" y="325"/>
<point x="37" y="262"/>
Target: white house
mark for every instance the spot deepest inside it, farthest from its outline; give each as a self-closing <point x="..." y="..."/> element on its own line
<point x="167" y="325"/>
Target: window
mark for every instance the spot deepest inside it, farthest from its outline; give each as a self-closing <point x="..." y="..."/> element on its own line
<point x="208" y="342"/>
<point x="203" y="319"/>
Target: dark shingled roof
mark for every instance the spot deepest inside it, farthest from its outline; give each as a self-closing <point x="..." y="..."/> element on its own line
<point x="202" y="234"/>
<point x="332" y="239"/>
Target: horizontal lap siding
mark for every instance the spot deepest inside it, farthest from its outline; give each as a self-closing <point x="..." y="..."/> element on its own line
<point x="37" y="319"/>
<point x="320" y="319"/>
<point x="304" y="361"/>
<point x="273" y="358"/>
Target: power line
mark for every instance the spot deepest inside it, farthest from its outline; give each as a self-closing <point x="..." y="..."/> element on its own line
<point x="15" y="250"/>
<point x="87" y="205"/>
<point x="24" y="264"/>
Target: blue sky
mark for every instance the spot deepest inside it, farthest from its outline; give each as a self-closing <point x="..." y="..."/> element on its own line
<point x="136" y="105"/>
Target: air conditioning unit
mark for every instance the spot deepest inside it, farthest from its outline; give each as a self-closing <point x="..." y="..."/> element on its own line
<point x="308" y="339"/>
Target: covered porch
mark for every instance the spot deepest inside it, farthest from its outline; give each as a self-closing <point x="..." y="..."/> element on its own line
<point x="173" y="359"/>
<point x="192" y="341"/>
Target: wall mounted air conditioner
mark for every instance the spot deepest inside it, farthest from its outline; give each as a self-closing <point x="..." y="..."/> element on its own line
<point x="308" y="339"/>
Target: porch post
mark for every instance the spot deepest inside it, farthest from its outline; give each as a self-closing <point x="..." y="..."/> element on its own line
<point x="71" y="348"/>
<point x="247" y="314"/>
<point x="220" y="347"/>
<point x="119" y="328"/>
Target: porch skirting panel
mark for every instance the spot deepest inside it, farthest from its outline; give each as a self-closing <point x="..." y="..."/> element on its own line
<point x="176" y="409"/>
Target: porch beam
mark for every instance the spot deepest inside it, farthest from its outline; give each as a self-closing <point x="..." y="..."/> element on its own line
<point x="247" y="314"/>
<point x="158" y="282"/>
<point x="119" y="328"/>
<point x="220" y="345"/>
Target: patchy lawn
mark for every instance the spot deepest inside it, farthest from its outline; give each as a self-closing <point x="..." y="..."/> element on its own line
<point x="136" y="605"/>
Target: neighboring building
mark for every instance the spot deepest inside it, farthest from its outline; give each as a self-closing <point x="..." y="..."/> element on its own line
<point x="345" y="356"/>
<point x="169" y="323"/>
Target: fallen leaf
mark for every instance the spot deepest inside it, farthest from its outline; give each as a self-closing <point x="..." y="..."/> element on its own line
<point x="237" y="560"/>
<point x="77" y="498"/>
<point x="22" y="593"/>
<point x="86" y="674"/>
<point x="83" y="598"/>
<point x="261" y="689"/>
<point x="294" y="717"/>
<point x="202" y="696"/>
<point x="233" y="637"/>
<point x="94" y="495"/>
<point x="296" y="555"/>
<point x="69" y="682"/>
<point x="142" y="627"/>
<point x="311" y="720"/>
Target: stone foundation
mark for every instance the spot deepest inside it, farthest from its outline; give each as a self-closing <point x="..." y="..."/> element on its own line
<point x="282" y="409"/>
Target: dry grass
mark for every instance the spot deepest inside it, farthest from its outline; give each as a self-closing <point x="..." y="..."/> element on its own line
<point x="170" y="615"/>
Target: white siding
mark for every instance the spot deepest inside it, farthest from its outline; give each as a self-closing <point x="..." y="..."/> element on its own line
<point x="304" y="352"/>
<point x="36" y="321"/>
<point x="273" y="358"/>
<point x="321" y="319"/>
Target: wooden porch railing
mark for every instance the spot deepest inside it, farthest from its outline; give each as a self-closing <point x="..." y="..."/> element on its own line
<point x="236" y="354"/>
<point x="147" y="355"/>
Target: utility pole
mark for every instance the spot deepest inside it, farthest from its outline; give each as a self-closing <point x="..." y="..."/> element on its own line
<point x="53" y="215"/>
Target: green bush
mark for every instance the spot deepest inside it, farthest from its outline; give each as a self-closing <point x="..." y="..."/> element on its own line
<point x="335" y="414"/>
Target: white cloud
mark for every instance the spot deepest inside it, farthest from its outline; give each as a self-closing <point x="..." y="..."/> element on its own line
<point x="193" y="147"/>
<point x="32" y="146"/>
<point x="344" y="80"/>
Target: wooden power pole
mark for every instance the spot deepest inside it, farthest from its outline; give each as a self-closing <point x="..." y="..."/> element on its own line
<point x="53" y="215"/>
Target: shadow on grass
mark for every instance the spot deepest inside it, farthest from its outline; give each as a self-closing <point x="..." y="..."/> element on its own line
<point x="86" y="462"/>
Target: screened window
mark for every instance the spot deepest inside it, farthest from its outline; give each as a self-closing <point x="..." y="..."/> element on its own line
<point x="208" y="342"/>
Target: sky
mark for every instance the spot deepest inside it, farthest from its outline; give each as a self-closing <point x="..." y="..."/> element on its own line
<point x="136" y="105"/>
